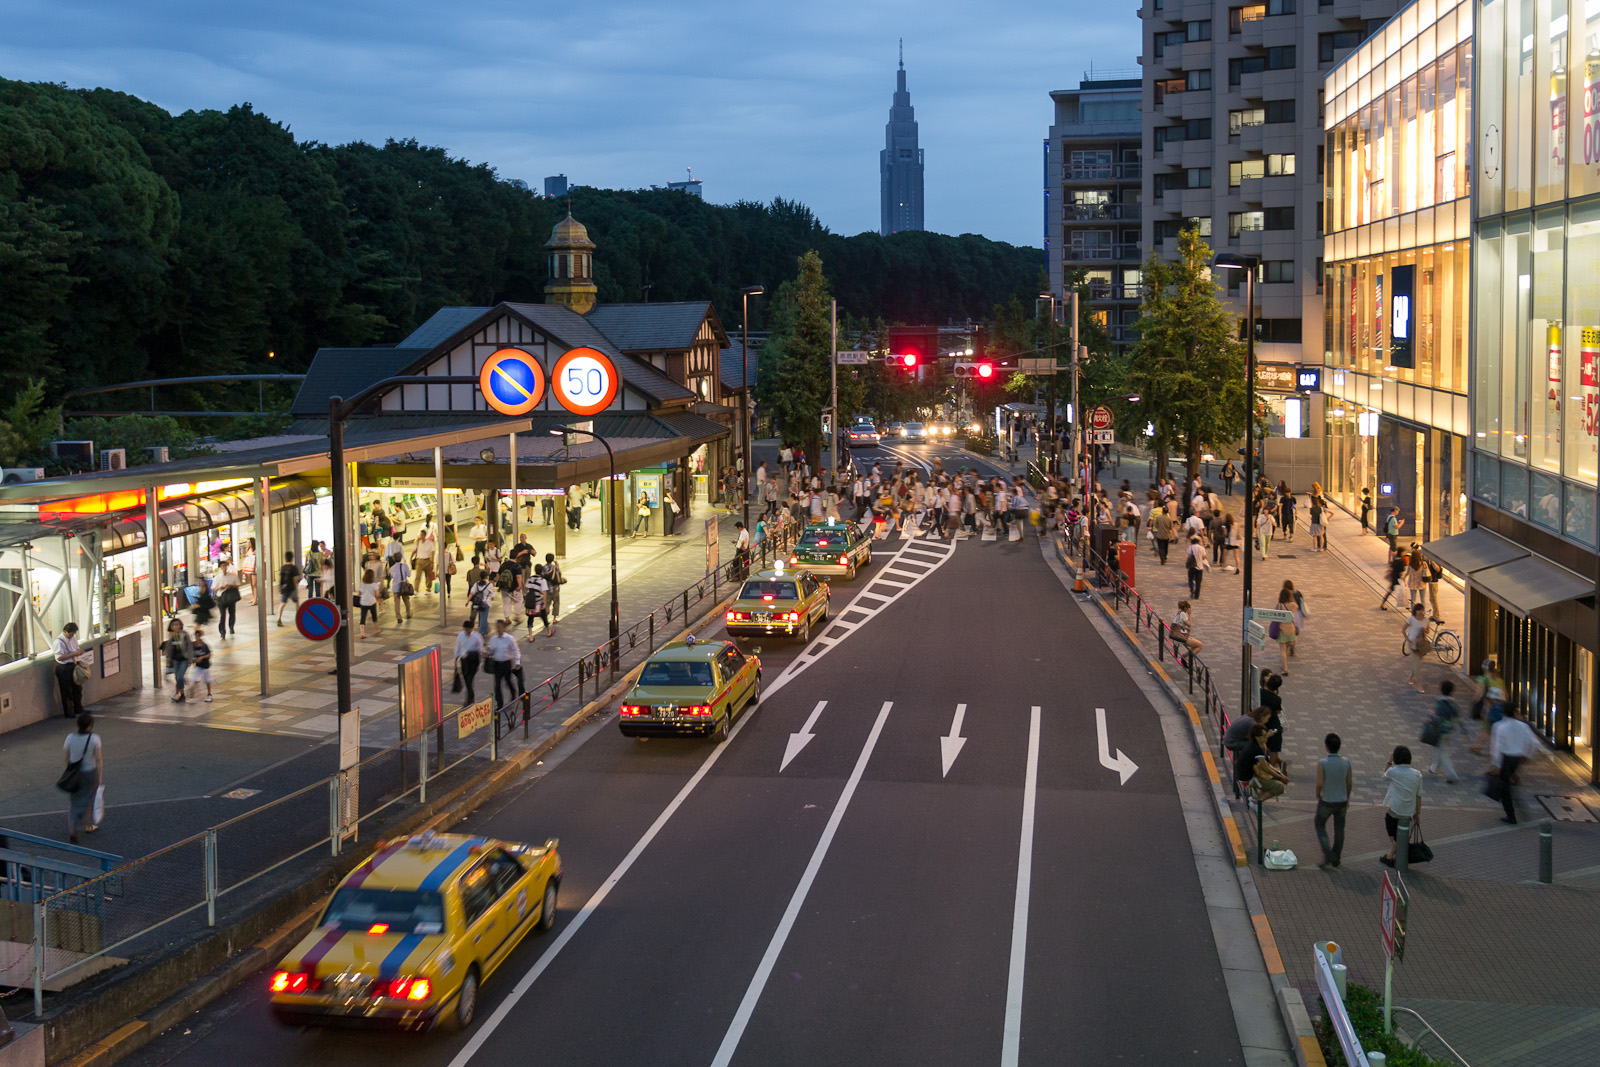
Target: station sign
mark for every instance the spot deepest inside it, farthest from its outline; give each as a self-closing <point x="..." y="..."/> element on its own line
<point x="854" y="358"/>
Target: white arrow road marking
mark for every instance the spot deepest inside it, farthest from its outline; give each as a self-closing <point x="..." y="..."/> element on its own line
<point x="747" y="1006"/>
<point x="803" y="738"/>
<point x="950" y="747"/>
<point x="1011" y="1035"/>
<point x="1122" y="764"/>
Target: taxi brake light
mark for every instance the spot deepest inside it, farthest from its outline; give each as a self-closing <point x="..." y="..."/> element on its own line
<point x="794" y="559"/>
<point x="844" y="557"/>
<point x="409" y="989"/>
<point x="632" y="709"/>
<point x="822" y="540"/>
<point x="290" y="982"/>
<point x="767" y="597"/>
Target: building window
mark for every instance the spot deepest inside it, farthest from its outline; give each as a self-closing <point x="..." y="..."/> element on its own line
<point x="1245" y="168"/>
<point x="1280" y="7"/>
<point x="1199" y="31"/>
<point x="1338" y="41"/>
<point x="1279" y="164"/>
<point x="1238" y="120"/>
<point x="1167" y="85"/>
<point x="1197" y="130"/>
<point x="1197" y="79"/>
<point x="1276" y="271"/>
<point x="1274" y="331"/>
<point x="1198" y="177"/>
<point x="1280" y="218"/>
<point x="1281" y="58"/>
<point x="1321" y="270"/>
<point x="1243" y="221"/>
<point x="1238" y="16"/>
<point x="1162" y="41"/>
<point x="1279" y="111"/>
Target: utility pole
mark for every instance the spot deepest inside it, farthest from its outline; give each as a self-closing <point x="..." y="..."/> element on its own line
<point x="833" y="372"/>
<point x="1077" y="410"/>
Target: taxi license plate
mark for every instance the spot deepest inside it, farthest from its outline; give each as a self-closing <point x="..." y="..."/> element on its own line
<point x="762" y="616"/>
<point x="664" y="711"/>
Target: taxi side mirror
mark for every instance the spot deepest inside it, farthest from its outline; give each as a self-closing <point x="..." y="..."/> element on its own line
<point x="755" y="650"/>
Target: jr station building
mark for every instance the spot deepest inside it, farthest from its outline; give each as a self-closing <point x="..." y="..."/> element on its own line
<point x="118" y="552"/>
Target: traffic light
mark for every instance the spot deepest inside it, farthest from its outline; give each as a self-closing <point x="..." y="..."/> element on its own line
<point x="911" y="347"/>
<point x="981" y="370"/>
<point x="906" y="361"/>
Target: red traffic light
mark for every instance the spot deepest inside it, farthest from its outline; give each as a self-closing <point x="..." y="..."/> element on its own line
<point x="986" y="370"/>
<point x="908" y="361"/>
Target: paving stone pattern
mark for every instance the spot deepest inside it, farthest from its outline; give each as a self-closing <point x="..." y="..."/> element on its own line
<point x="1505" y="968"/>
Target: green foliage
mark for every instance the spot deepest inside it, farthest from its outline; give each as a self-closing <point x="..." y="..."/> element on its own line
<point x="1366" y="1013"/>
<point x="135" y="243"/>
<point x="137" y="433"/>
<point x="1188" y="365"/>
<point x="793" y="383"/>
<point x="26" y="426"/>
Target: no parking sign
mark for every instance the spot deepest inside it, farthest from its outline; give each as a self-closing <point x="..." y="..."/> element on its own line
<point x="317" y="619"/>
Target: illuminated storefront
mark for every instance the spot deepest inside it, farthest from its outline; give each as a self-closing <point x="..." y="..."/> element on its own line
<point x="1536" y="343"/>
<point x="1397" y="287"/>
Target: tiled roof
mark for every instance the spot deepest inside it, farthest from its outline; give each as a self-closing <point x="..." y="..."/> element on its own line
<point x="441" y="326"/>
<point x="345" y="372"/>
<point x="576" y="330"/>
<point x="670" y="327"/>
<point x="733" y="364"/>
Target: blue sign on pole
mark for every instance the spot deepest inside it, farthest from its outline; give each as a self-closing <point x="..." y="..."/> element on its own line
<point x="317" y="619"/>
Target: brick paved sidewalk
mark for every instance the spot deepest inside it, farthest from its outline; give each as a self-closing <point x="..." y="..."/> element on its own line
<point x="1504" y="967"/>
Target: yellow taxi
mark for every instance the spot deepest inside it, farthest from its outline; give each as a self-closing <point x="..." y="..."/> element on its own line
<point x="410" y="934"/>
<point x="779" y="602"/>
<point x="691" y="687"/>
<point x="832" y="547"/>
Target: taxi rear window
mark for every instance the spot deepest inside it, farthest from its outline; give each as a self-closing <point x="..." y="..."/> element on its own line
<point x="672" y="672"/>
<point x="405" y="911"/>
<point x="836" y="535"/>
<point x="769" y="591"/>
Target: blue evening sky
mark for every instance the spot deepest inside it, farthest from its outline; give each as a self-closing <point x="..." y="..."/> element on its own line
<point x="762" y="99"/>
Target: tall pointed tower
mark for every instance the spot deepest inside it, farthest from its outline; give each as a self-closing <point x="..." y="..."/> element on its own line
<point x="571" y="266"/>
<point x="900" y="162"/>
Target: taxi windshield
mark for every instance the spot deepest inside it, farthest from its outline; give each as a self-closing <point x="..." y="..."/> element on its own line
<point x="404" y="911"/>
<point x="676" y="672"/>
<point x="756" y="590"/>
<point x="824" y="535"/>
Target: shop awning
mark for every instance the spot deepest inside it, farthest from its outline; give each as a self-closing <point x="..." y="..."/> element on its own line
<point x="204" y="513"/>
<point x="1466" y="553"/>
<point x="1527" y="584"/>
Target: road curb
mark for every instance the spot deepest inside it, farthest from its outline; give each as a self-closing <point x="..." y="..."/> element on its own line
<point x="450" y="809"/>
<point x="1291" y="1006"/>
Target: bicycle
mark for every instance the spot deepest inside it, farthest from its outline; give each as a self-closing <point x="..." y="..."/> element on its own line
<point x="1446" y="643"/>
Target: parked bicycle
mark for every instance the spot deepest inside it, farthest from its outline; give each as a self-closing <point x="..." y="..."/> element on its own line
<point x="1446" y="643"/>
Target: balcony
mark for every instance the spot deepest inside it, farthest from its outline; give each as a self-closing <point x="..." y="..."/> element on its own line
<point x="1106" y="291"/>
<point x="1099" y="172"/>
<point x="1101" y="253"/>
<point x="1097" y="212"/>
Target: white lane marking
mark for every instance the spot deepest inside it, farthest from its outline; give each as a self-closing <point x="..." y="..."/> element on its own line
<point x="798" y="741"/>
<point x="1122" y="764"/>
<point x="1012" y="1039"/>
<point x="488" y="1026"/>
<point x="813" y="652"/>
<point x="910" y="457"/>
<point x="950" y="747"/>
<point x="747" y="1006"/>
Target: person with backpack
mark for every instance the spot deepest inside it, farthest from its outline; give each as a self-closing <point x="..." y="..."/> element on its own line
<point x="288" y="584"/>
<point x="508" y="583"/>
<point x="400" y="586"/>
<point x="478" y="595"/>
<point x="536" y="599"/>
<point x="1391" y="531"/>
<point x="179" y="651"/>
<point x="1437" y="730"/>
<point x="82" y="775"/>
<point x="312" y="567"/>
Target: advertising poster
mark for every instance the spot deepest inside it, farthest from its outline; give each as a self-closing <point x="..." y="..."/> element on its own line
<point x="420" y="695"/>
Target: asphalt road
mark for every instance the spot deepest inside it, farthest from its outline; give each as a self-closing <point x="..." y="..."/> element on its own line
<point x="855" y="904"/>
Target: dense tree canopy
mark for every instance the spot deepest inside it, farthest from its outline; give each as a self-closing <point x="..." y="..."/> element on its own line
<point x="135" y="243"/>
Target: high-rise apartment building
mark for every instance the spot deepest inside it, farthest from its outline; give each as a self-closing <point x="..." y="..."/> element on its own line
<point x="1233" y="140"/>
<point x="900" y="163"/>
<point x="1091" y="196"/>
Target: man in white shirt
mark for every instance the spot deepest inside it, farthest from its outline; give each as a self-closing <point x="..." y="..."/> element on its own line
<point x="67" y="656"/>
<point x="1511" y="741"/>
<point x="427" y="548"/>
<point x="502" y="654"/>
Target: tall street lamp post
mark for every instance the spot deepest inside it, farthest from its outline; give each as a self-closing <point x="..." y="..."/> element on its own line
<point x="744" y="409"/>
<point x="1248" y="264"/>
<point x="616" y="615"/>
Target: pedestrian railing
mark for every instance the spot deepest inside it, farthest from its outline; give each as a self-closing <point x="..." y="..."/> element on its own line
<point x="1114" y="589"/>
<point x="137" y="909"/>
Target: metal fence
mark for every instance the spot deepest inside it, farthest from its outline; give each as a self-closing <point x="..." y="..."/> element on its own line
<point x="140" y="907"/>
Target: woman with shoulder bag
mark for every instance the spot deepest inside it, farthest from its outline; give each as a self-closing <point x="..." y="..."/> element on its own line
<point x="82" y="776"/>
<point x="180" y="650"/>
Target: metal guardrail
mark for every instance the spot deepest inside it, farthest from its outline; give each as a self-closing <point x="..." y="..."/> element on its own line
<point x="128" y="903"/>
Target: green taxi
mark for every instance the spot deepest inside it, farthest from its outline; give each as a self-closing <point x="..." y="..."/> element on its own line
<point x="832" y="547"/>
<point x="692" y="687"/>
<point x="779" y="602"/>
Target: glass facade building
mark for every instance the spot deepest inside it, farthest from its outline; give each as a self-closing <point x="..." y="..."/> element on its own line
<point x="1535" y="379"/>
<point x="1396" y="298"/>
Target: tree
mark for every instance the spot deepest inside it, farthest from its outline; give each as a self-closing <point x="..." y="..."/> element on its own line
<point x="26" y="426"/>
<point x="1188" y="364"/>
<point x="793" y="382"/>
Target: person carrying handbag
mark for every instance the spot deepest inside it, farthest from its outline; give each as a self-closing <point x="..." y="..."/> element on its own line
<point x="180" y="650"/>
<point x="71" y="672"/>
<point x="555" y="579"/>
<point x="82" y="776"/>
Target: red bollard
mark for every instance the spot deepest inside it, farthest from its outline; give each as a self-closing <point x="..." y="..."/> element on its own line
<point x="1126" y="551"/>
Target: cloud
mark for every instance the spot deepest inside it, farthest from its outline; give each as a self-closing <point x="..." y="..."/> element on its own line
<point x="761" y="99"/>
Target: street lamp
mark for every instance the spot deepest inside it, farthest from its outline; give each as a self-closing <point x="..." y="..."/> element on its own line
<point x="744" y="396"/>
<point x="611" y="502"/>
<point x="1248" y="264"/>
